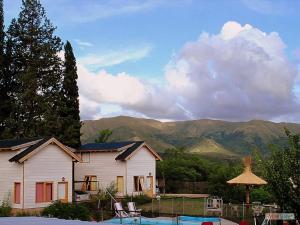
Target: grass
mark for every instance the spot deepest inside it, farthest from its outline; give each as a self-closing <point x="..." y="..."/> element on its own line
<point x="176" y="206"/>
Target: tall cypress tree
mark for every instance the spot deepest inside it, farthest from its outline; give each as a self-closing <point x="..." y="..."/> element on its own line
<point x="70" y="119"/>
<point x="3" y="96"/>
<point x="5" y="106"/>
<point x="37" y="71"/>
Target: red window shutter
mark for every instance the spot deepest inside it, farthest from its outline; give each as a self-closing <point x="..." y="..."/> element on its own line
<point x="17" y="193"/>
<point x="48" y="192"/>
<point x="39" y="194"/>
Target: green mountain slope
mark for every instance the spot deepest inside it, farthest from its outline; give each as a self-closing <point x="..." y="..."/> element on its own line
<point x="217" y="137"/>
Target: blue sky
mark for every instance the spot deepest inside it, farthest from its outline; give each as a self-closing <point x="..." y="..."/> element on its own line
<point x="132" y="54"/>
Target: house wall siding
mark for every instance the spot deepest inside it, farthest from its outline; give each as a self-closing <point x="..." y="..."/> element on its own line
<point x="104" y="166"/>
<point x="9" y="173"/>
<point x="142" y="163"/>
<point x="50" y="164"/>
<point x="107" y="169"/>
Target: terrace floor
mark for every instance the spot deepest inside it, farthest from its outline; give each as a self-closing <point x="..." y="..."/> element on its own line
<point x="43" y="221"/>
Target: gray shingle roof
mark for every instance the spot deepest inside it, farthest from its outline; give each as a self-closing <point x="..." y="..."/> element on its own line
<point x="9" y="143"/>
<point x="113" y="146"/>
<point x="105" y="146"/>
<point x="25" y="152"/>
<point x="129" y="151"/>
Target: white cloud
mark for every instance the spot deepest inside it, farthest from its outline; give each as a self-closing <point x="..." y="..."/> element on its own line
<point x="83" y="44"/>
<point x="82" y="11"/>
<point x="241" y="73"/>
<point x="110" y="58"/>
<point x="271" y="6"/>
<point x="124" y="90"/>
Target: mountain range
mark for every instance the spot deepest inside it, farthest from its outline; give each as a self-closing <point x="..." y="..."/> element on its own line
<point x="207" y="137"/>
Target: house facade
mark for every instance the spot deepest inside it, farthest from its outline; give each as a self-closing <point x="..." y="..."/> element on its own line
<point x="35" y="172"/>
<point x="131" y="166"/>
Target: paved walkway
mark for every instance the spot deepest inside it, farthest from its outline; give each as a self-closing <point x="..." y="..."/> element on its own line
<point x="43" y="221"/>
<point x="55" y="221"/>
<point x="226" y="222"/>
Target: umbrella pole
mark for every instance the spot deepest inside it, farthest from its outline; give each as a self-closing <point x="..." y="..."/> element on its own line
<point x="247" y="194"/>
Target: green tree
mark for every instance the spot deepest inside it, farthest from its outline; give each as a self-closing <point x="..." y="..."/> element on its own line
<point x="282" y="171"/>
<point x="104" y="135"/>
<point x="37" y="71"/>
<point x="70" y="119"/>
<point x="4" y="97"/>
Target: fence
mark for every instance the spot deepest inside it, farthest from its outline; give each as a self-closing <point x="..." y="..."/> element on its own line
<point x="175" y="206"/>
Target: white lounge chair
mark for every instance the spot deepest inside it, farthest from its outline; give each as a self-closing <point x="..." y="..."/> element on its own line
<point x="120" y="212"/>
<point x="133" y="211"/>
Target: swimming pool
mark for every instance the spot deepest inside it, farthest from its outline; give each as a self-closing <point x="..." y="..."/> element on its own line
<point x="182" y="220"/>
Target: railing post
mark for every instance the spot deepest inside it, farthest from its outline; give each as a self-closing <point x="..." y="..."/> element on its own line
<point x="159" y="207"/>
<point x="172" y="206"/>
<point x="152" y="207"/>
<point x="183" y="205"/>
<point x="204" y="206"/>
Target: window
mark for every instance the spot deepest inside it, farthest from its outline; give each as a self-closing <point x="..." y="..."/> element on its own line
<point x="85" y="157"/>
<point x="138" y="182"/>
<point x="120" y="184"/>
<point x="62" y="191"/>
<point x="43" y="192"/>
<point x="17" y="193"/>
<point x="49" y="193"/>
<point x="90" y="183"/>
<point x="149" y="183"/>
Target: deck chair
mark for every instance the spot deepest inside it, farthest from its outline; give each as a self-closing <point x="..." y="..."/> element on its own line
<point x="120" y="212"/>
<point x="133" y="211"/>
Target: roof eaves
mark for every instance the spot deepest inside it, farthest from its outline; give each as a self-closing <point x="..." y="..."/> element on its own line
<point x="28" y="150"/>
<point x="126" y="153"/>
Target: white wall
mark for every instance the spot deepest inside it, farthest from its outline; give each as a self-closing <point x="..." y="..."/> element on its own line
<point x="140" y="164"/>
<point x="104" y="166"/>
<point x="49" y="164"/>
<point x="9" y="173"/>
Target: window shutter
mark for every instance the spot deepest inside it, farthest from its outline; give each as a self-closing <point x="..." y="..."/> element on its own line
<point x="39" y="194"/>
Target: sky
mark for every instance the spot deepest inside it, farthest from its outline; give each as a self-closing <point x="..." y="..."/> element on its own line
<point x="234" y="60"/>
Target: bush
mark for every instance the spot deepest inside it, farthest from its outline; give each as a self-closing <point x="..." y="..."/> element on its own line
<point x="103" y="198"/>
<point x="261" y="195"/>
<point x="67" y="211"/>
<point x="138" y="199"/>
<point x="5" y="209"/>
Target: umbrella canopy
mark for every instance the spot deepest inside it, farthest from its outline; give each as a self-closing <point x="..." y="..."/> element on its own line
<point x="247" y="177"/>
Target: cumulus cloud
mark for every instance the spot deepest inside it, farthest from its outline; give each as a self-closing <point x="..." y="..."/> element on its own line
<point x="241" y="73"/>
<point x="124" y="90"/>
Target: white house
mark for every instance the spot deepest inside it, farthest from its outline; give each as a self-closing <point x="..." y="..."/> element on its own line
<point x="130" y="165"/>
<point x="35" y="172"/>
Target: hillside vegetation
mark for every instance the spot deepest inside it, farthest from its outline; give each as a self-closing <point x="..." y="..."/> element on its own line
<point x="206" y="137"/>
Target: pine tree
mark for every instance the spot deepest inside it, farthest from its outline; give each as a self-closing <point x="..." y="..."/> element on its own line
<point x="70" y="119"/>
<point x="37" y="71"/>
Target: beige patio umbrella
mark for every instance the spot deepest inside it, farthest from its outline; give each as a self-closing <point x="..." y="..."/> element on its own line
<point x="247" y="178"/>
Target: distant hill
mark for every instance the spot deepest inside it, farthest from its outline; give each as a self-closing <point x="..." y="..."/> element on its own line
<point x="206" y="137"/>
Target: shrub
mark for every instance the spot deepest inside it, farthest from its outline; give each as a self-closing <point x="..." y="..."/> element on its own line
<point x="103" y="198"/>
<point x="261" y="195"/>
<point x="67" y="211"/>
<point x="138" y="199"/>
<point x="5" y="209"/>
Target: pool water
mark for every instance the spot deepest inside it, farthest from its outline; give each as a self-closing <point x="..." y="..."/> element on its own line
<point x="182" y="220"/>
